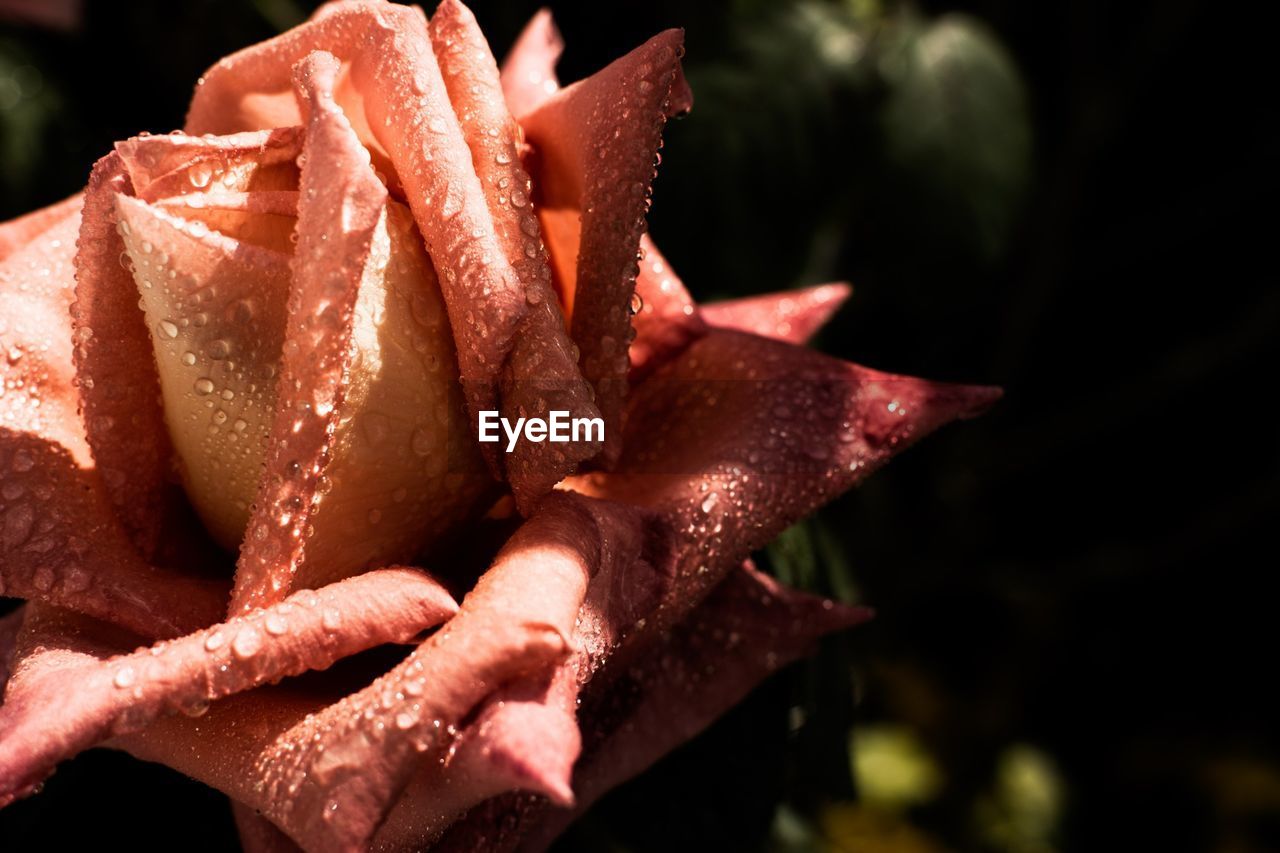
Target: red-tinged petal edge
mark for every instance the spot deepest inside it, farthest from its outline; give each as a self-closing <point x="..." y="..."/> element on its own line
<point x="541" y="373"/>
<point x="667" y="319"/>
<point x="741" y="436"/>
<point x="119" y="387"/>
<point x="69" y="691"/>
<point x="746" y="629"/>
<point x="529" y="71"/>
<point x="794" y="316"/>
<point x="341" y="201"/>
<point x="525" y="737"/>
<point x="596" y="142"/>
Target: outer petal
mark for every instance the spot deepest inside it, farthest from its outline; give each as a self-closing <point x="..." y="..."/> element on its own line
<point x="69" y="692"/>
<point x="38" y="393"/>
<point x="18" y="232"/>
<point x="116" y="368"/>
<point x="529" y="71"/>
<point x="793" y="316"/>
<point x="329" y="776"/>
<point x="746" y="629"/>
<point x="525" y="737"/>
<point x="596" y="142"/>
<point x="541" y="374"/>
<point x="342" y="203"/>
<point x="331" y="779"/>
<point x="60" y="543"/>
<point x="740" y="436"/>
<point x="59" y="539"/>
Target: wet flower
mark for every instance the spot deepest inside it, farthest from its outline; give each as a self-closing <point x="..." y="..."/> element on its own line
<point x="271" y="336"/>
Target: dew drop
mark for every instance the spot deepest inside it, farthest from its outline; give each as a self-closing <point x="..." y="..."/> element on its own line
<point x="247" y="643"/>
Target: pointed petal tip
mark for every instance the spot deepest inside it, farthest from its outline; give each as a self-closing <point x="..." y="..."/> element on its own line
<point x="974" y="400"/>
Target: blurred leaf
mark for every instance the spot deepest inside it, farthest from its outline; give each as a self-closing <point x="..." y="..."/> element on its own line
<point x="28" y="104"/>
<point x="893" y="768"/>
<point x="956" y="127"/>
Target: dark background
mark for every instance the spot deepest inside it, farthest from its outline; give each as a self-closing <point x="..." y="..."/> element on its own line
<point x="1075" y="646"/>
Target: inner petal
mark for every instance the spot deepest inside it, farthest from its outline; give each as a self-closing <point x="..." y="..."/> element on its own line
<point x="403" y="467"/>
<point x="216" y="309"/>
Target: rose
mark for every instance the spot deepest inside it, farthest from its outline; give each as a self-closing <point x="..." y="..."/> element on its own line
<point x="303" y="387"/>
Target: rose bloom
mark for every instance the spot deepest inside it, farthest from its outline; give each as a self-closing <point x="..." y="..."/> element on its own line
<point x="242" y="375"/>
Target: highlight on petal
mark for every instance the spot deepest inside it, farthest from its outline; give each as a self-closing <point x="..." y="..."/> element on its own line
<point x="69" y="692"/>
<point x="529" y="71"/>
<point x="541" y="374"/>
<point x="119" y="387"/>
<point x="793" y="316"/>
<point x="749" y="627"/>
<point x="740" y="436"/>
<point x="596" y="142"/>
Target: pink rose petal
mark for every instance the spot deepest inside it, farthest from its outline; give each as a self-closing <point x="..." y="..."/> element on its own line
<point x="341" y="203"/>
<point x="60" y="540"/>
<point x="740" y="436"/>
<point x="70" y="691"/>
<point x="793" y="316"/>
<point x="541" y="374"/>
<point x="179" y="164"/>
<point x="17" y="233"/>
<point x="749" y="627"/>
<point x="595" y="146"/>
<point x="406" y="106"/>
<point x="529" y="71"/>
<point x="525" y="737"/>
<point x="115" y="366"/>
